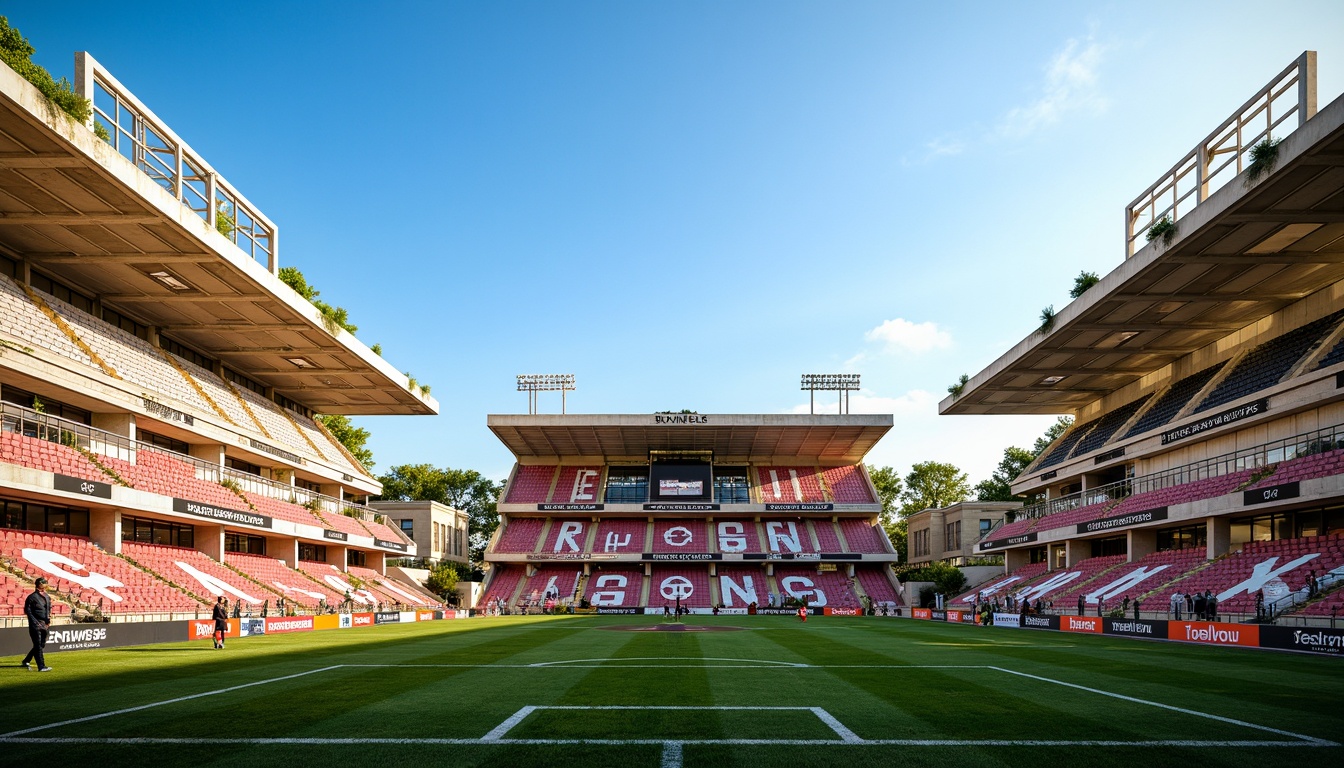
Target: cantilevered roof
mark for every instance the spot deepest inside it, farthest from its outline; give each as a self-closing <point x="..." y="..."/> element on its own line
<point x="1246" y="252"/>
<point x="72" y="207"/>
<point x="846" y="438"/>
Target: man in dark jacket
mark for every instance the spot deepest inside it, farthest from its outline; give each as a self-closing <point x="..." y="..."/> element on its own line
<point x="38" y="610"/>
<point x="221" y="617"/>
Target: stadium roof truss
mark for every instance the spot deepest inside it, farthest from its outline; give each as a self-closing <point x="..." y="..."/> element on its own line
<point x="1239" y="254"/>
<point x="826" y="438"/>
<point x="128" y="221"/>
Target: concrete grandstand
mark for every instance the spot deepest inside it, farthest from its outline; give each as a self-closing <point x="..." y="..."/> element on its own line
<point x="159" y="385"/>
<point x="1205" y="375"/>
<point x="627" y="513"/>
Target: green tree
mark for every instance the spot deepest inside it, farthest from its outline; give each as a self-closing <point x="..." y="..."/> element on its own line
<point x="17" y="52"/>
<point x="932" y="484"/>
<point x="1082" y="282"/>
<point x="332" y="317"/>
<point x="888" y="485"/>
<point x="442" y="581"/>
<point x="1052" y="434"/>
<point x="352" y="437"/>
<point x="999" y="486"/>
<point x="948" y="580"/>
<point x="464" y="489"/>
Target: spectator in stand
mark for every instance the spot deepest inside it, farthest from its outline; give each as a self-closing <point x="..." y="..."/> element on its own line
<point x="1260" y="606"/>
<point x="1039" y="604"/>
<point x="1189" y="605"/>
<point x="1177" y="602"/>
<point x="1124" y="604"/>
<point x="37" y="607"/>
<point x="221" y="616"/>
<point x="1101" y="606"/>
<point x="1312" y="585"/>
<point x="1210" y="605"/>
<point x="1199" y="607"/>
<point x="1080" y="605"/>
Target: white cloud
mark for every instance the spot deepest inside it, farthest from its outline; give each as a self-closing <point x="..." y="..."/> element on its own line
<point x="913" y="404"/>
<point x="1070" y="86"/>
<point x="900" y="335"/>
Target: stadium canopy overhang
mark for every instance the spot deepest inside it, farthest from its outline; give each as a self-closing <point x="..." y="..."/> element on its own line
<point x="733" y="437"/>
<point x="1243" y="254"/>
<point x="73" y="207"/>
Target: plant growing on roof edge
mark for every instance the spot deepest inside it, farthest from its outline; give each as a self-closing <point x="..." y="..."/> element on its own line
<point x="377" y="349"/>
<point x="956" y="389"/>
<point x="100" y="131"/>
<point x="1082" y="282"/>
<point x="1263" y="157"/>
<point x="1047" y="319"/>
<point x="224" y="223"/>
<point x="333" y="318"/>
<point x="1164" y="228"/>
<point x="17" y="52"/>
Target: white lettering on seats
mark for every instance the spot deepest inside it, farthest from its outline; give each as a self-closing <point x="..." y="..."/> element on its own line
<point x="583" y="485"/>
<point x="774" y="533"/>
<point x="390" y="587"/>
<point x="213" y="585"/>
<point x="1263" y="573"/>
<point x="51" y="562"/>
<point x="674" y="587"/>
<point x="797" y="487"/>
<point x="342" y="586"/>
<point x="285" y="588"/>
<point x="568" y="530"/>
<point x="817" y="597"/>
<point x="615" y="542"/>
<point x="774" y="483"/>
<point x="678" y="536"/>
<point x="1131" y="579"/>
<point x="990" y="590"/>
<point x="610" y="598"/>
<point x="746" y="590"/>
<point x="732" y="537"/>
<point x="1059" y="580"/>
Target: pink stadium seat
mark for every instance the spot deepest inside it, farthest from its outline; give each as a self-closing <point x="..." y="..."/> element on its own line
<point x="520" y="535"/>
<point x="834" y="585"/>
<point x="531" y="485"/>
<point x="681" y="536"/>
<point x="619" y="535"/>
<point x="877" y="584"/>
<point x="861" y="536"/>
<point x="578" y="485"/>
<point x="691" y="583"/>
<point x="848" y="485"/>
<point x="503" y="582"/>
<point x="293" y="585"/>
<point x="789" y="485"/>
<point x="616" y="587"/>
<point x="827" y="535"/>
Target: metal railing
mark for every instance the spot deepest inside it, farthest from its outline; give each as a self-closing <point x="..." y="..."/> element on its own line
<point x="1223" y="154"/>
<point x="135" y="132"/>
<point x="1305" y="444"/>
<point x="26" y="421"/>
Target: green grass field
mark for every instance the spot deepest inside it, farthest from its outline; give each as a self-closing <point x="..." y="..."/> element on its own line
<point x="572" y="691"/>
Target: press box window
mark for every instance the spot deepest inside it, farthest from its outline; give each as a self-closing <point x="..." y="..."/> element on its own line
<point x="144" y="531"/>
<point x="627" y="485"/>
<point x="731" y="485"/>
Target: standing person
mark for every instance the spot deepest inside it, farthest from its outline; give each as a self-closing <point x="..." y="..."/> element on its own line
<point x="1210" y="605"/>
<point x="1177" y="602"/>
<point x="38" y="610"/>
<point x="221" y="617"/>
<point x="1080" y="605"/>
<point x="1199" y="607"/>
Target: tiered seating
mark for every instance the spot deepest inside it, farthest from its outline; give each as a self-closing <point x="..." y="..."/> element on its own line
<point x="612" y="534"/>
<point x="1107" y="426"/>
<point x="164" y="560"/>
<point x="13" y="593"/>
<point x="138" y="591"/>
<point x="834" y="585"/>
<point x="1305" y="468"/>
<point x="827" y="536"/>
<point x="1332" y="357"/>
<point x="160" y="473"/>
<point x="566" y="580"/>
<point x="750" y="531"/>
<point x="1165" y="566"/>
<point x="1263" y="366"/>
<point x="503" y="583"/>
<point x="520" y="535"/>
<point x="862" y="537"/>
<point x="1330" y="605"/>
<point x="553" y="544"/>
<point x="779" y="535"/>
<point x="1004" y="585"/>
<point x="779" y="488"/>
<point x="1207" y="488"/>
<point x="1228" y="573"/>
<point x="747" y="579"/>
<point x="1088" y="570"/>
<point x="847" y="485"/>
<point x="392" y="591"/>
<point x="566" y="493"/>
<point x="36" y="453"/>
<point x="666" y="532"/>
<point x="282" y="510"/>
<point x="531" y="485"/>
<point x="293" y="585"/>
<point x="615" y="595"/>
<point x="1065" y="445"/>
<point x="667" y="582"/>
<point x="1174" y="400"/>
<point x="326" y="446"/>
<point x="877" y="585"/>
<point x="324" y="571"/>
<point x="381" y="530"/>
<point x="343" y="523"/>
<point x="26" y="324"/>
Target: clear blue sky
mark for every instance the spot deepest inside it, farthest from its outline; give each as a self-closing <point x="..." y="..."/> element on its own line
<point x="690" y="204"/>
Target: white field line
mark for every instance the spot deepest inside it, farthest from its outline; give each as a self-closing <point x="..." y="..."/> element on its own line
<point x="671" y="754"/>
<point x="763" y="662"/>
<point x="317" y="741"/>
<point x="1182" y="710"/>
<point x="177" y="700"/>
<point x="846" y="735"/>
<point x="506" y="726"/>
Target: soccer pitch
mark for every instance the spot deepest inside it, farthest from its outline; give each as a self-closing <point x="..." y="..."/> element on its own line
<point x="586" y="691"/>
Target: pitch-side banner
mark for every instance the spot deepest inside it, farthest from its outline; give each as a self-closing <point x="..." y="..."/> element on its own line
<point x="14" y="641"/>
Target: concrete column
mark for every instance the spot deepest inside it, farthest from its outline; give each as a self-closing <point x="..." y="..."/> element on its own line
<point x="1141" y="542"/>
<point x="285" y="550"/>
<point x="1220" y="536"/>
<point x="1076" y="550"/>
<point x="117" y="423"/>
<point x="1015" y="558"/>
<point x="336" y="556"/>
<point x="210" y="540"/>
<point x="211" y="452"/>
<point x="334" y="490"/>
<point x="377" y="561"/>
<point x="105" y="529"/>
<point x="937" y="534"/>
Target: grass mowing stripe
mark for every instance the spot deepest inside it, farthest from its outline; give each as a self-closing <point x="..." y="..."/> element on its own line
<point x="355" y="740"/>
<point x="128" y="710"/>
<point x="1233" y="721"/>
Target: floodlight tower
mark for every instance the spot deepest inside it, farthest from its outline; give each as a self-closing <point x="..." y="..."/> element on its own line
<point x="844" y="383"/>
<point x="532" y="383"/>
